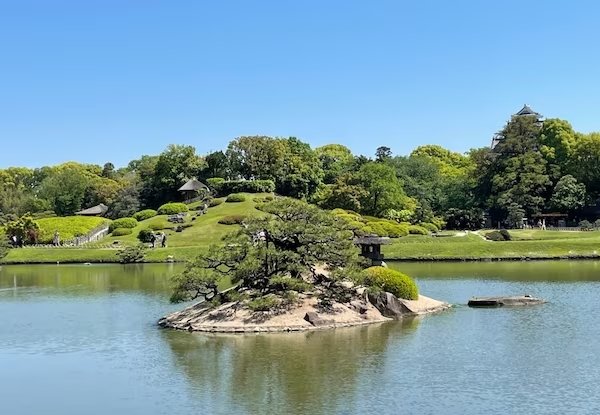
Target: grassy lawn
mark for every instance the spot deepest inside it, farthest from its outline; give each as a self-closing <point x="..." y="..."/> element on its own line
<point x="527" y="243"/>
<point x="206" y="230"/>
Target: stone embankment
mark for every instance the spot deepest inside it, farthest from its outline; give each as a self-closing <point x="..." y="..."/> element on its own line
<point x="235" y="318"/>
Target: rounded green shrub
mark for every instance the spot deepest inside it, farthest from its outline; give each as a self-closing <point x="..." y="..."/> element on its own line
<point x="338" y="211"/>
<point x="498" y="236"/>
<point x="232" y="220"/>
<point x="158" y="226"/>
<point x="392" y="281"/>
<point x="128" y="223"/>
<point x="417" y="230"/>
<point x="235" y="198"/>
<point x="506" y="235"/>
<point x="395" y="230"/>
<point x="172" y="208"/>
<point x="121" y="231"/>
<point x="144" y="214"/>
<point x="378" y="228"/>
<point x="215" y="202"/>
<point x="430" y="227"/>
<point x="145" y="235"/>
<point x="269" y="198"/>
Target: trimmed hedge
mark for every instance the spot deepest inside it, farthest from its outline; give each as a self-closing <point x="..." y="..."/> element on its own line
<point x="172" y="208"/>
<point x="232" y="220"/>
<point x="215" y="202"/>
<point x="499" y="236"/>
<point x="417" y="230"/>
<point x="392" y="281"/>
<point x="144" y="214"/>
<point x="159" y="226"/>
<point x="235" y="198"/>
<point x="225" y="187"/>
<point x="145" y="235"/>
<point x="430" y="227"/>
<point x="121" y="231"/>
<point x="128" y="223"/>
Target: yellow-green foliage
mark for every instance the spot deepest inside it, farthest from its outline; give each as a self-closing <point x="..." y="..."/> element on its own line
<point x="128" y="223"/>
<point x="122" y="231"/>
<point x="392" y="281"/>
<point x="417" y="230"/>
<point x="429" y="226"/>
<point x="172" y="208"/>
<point x="68" y="227"/>
<point x="144" y="214"/>
<point x="363" y="225"/>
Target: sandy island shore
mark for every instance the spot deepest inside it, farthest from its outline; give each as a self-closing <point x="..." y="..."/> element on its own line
<point x="229" y="318"/>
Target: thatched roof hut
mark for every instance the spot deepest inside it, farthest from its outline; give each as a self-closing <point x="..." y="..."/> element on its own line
<point x="98" y="210"/>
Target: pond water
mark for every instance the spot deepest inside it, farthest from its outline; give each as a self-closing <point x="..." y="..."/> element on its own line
<point x="83" y="339"/>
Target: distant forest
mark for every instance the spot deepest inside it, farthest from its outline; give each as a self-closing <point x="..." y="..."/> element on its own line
<point x="532" y="166"/>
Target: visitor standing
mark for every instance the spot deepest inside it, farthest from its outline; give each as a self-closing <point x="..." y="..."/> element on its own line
<point x="56" y="240"/>
<point x="164" y="240"/>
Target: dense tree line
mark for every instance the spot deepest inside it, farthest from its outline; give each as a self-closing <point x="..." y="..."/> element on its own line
<point x="536" y="167"/>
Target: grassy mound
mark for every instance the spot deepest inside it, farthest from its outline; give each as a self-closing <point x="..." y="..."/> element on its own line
<point x="68" y="227"/>
<point x="197" y="231"/>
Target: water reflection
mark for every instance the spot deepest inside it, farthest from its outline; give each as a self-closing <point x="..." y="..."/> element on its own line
<point x="306" y="372"/>
<point x="85" y="280"/>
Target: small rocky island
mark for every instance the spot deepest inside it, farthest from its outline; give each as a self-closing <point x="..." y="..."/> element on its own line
<point x="520" y="300"/>
<point x="295" y="267"/>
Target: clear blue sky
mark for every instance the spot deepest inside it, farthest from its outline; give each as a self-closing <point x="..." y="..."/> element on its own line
<point x="98" y="81"/>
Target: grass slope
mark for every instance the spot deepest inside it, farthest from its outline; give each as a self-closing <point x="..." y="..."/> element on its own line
<point x="205" y="230"/>
<point x="68" y="227"/>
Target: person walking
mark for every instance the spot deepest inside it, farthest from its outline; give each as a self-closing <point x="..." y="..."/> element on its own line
<point x="164" y="240"/>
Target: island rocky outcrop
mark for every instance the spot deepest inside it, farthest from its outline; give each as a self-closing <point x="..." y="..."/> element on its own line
<point x="307" y="314"/>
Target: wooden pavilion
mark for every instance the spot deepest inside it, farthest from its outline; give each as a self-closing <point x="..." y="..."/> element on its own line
<point x="98" y="210"/>
<point x="192" y="188"/>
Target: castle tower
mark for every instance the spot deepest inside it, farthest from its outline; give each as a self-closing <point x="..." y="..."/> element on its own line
<point x="526" y="111"/>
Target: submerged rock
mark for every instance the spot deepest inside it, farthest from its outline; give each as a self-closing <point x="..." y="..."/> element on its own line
<point x="520" y="300"/>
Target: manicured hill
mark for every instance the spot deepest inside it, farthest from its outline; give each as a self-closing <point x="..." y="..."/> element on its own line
<point x="200" y="230"/>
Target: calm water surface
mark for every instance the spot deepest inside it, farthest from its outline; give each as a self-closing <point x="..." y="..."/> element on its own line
<point x="83" y="340"/>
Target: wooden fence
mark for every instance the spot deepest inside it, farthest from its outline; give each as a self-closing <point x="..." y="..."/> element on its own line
<point x="94" y="235"/>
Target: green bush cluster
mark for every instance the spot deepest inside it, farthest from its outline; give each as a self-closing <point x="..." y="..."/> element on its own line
<point x="417" y="230"/>
<point x="128" y="223"/>
<point x="392" y="281"/>
<point x="263" y="199"/>
<point x="215" y="202"/>
<point x="224" y="187"/>
<point x="144" y="214"/>
<point x="158" y="226"/>
<point x="430" y="227"/>
<point x="235" y="198"/>
<point x="172" y="208"/>
<point x="232" y="220"/>
<point x="121" y="231"/>
<point x="145" y="235"/>
<point x="364" y="225"/>
<point x="499" y="236"/>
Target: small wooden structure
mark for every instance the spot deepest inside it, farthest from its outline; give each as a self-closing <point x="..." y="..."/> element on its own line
<point x="192" y="188"/>
<point x="98" y="210"/>
<point x="370" y="247"/>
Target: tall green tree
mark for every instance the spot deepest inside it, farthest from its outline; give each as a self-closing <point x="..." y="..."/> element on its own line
<point x="335" y="159"/>
<point x="520" y="169"/>
<point x="568" y="195"/>
<point x="294" y="238"/>
<point x="65" y="190"/>
<point x="174" y="166"/>
<point x="384" y="189"/>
